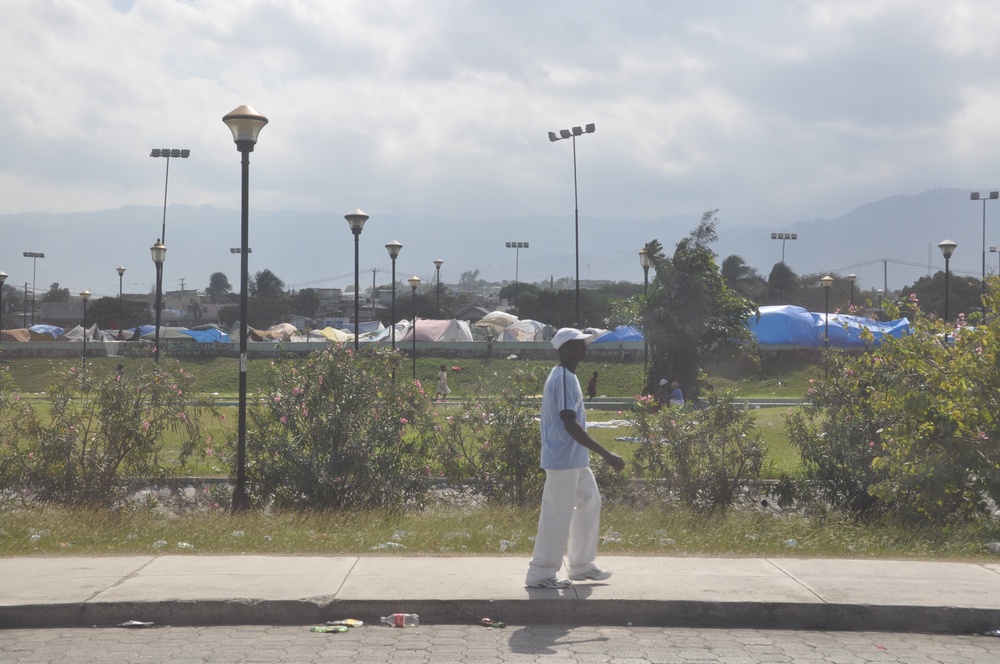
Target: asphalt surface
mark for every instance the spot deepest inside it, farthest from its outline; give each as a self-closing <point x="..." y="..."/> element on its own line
<point x="747" y="593"/>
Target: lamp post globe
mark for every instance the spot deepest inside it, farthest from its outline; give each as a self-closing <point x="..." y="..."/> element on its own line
<point x="356" y="220"/>
<point x="947" y="248"/>
<point x="414" y="282"/>
<point x="437" y="298"/>
<point x="644" y="264"/>
<point x="3" y="278"/>
<point x="121" y="274"/>
<point x="245" y="123"/>
<point x="826" y="281"/>
<point x="393" y="248"/>
<point x="85" y="295"/>
<point x="158" y="253"/>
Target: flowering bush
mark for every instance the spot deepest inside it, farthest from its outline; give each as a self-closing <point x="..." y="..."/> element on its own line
<point x="335" y="431"/>
<point x="911" y="426"/>
<point x="706" y="453"/>
<point x="98" y="434"/>
<point x="496" y="440"/>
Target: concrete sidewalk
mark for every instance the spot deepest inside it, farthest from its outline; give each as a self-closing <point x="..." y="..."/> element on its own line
<point x="781" y="593"/>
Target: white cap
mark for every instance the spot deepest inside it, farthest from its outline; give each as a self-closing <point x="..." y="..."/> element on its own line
<point x="663" y="381"/>
<point x="570" y="334"/>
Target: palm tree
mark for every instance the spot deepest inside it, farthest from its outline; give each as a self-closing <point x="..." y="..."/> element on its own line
<point x="783" y="284"/>
<point x="218" y="290"/>
<point x="742" y="278"/>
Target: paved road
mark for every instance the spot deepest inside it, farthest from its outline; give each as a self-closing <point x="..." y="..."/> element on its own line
<point x="474" y="644"/>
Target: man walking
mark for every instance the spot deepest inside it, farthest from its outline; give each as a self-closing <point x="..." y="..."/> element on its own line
<point x="571" y="503"/>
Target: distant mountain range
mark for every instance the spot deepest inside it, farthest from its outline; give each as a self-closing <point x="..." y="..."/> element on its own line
<point x="893" y="239"/>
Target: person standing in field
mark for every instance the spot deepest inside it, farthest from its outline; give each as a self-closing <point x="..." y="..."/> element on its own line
<point x="442" y="387"/>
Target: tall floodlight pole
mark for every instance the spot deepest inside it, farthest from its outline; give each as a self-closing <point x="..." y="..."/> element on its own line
<point x="158" y="252"/>
<point x="827" y="281"/>
<point x="977" y="196"/>
<point x="437" y="307"/>
<point x="34" y="256"/>
<point x="3" y="278"/>
<point x="356" y="220"/>
<point x="566" y="133"/>
<point x="783" y="237"/>
<point x="167" y="153"/>
<point x="393" y="248"/>
<point x="644" y="263"/>
<point x="245" y="124"/>
<point x="414" y="282"/>
<point x="85" y="295"/>
<point x="121" y="274"/>
<point x="517" y="247"/>
<point x="947" y="248"/>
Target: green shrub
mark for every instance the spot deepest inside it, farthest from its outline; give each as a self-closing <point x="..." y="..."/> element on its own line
<point x="98" y="436"/>
<point x="336" y="431"/>
<point x="496" y="440"/>
<point x="707" y="453"/>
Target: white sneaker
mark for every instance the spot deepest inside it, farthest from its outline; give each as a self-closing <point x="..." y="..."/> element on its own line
<point x="593" y="574"/>
<point x="551" y="582"/>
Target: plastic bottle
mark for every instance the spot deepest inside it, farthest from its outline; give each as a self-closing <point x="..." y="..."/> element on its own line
<point x="402" y="620"/>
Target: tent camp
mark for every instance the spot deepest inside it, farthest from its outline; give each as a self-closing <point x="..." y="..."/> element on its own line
<point x="45" y="332"/>
<point x="497" y="321"/>
<point x="16" y="335"/>
<point x="439" y="330"/>
<point x="77" y="333"/>
<point x="620" y="333"/>
<point x="789" y="326"/>
<point x="524" y="330"/>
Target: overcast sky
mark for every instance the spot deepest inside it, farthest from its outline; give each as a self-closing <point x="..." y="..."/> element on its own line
<point x="774" y="112"/>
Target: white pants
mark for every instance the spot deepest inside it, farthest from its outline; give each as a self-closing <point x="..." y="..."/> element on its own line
<point x="569" y="522"/>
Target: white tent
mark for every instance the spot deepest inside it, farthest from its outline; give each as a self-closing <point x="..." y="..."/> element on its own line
<point x="497" y="321"/>
<point x="524" y="330"/>
<point x="439" y="330"/>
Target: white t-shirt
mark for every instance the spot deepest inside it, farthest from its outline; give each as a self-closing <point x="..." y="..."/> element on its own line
<point x="559" y="450"/>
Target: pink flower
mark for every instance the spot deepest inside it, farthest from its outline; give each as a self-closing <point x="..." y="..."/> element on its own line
<point x="283" y="419"/>
<point x="403" y="420"/>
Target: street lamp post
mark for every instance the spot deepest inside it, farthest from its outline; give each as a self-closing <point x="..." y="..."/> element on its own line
<point x="517" y="247"/>
<point x="414" y="282"/>
<point x="827" y="281"/>
<point x="993" y="250"/>
<point x="85" y="295"/>
<point x="880" y="294"/>
<point x="393" y="248"/>
<point x="159" y="254"/>
<point x="947" y="248"/>
<point x="644" y="263"/>
<point x="992" y="196"/>
<point x="34" y="256"/>
<point x="245" y="124"/>
<point x="852" y="278"/>
<point x="356" y="220"/>
<point x="121" y="274"/>
<point x="437" y="306"/>
<point x="168" y="153"/>
<point x="3" y="278"/>
<point x="567" y="133"/>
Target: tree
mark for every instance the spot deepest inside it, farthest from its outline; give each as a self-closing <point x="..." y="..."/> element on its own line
<point x="266" y="285"/>
<point x="56" y="294"/>
<point x="782" y="285"/>
<point x="689" y="310"/>
<point x="743" y="279"/>
<point x="219" y="290"/>
<point x="306" y="302"/>
<point x="964" y="295"/>
<point x="104" y="312"/>
<point x="470" y="279"/>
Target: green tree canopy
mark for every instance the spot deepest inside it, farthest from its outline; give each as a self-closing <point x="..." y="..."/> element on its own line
<point x="690" y="310"/>
<point x="219" y="290"/>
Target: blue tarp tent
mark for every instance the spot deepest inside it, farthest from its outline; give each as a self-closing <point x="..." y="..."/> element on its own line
<point x="207" y="336"/>
<point x="792" y="326"/>
<point x="620" y="333"/>
<point x="46" y="331"/>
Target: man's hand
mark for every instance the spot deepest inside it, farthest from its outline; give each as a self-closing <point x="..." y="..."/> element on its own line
<point x="616" y="462"/>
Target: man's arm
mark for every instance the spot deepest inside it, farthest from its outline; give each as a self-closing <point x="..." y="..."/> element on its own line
<point x="577" y="433"/>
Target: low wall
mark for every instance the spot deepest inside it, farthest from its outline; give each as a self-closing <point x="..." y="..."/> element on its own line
<point x="619" y="351"/>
